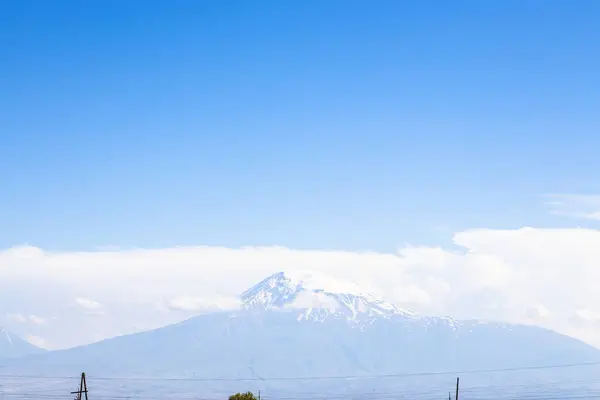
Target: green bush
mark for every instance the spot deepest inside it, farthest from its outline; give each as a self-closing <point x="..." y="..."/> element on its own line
<point x="243" y="396"/>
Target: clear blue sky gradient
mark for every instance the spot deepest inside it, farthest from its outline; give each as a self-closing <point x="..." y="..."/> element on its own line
<point x="359" y="125"/>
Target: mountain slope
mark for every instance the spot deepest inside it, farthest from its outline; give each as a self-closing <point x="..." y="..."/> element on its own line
<point x="268" y="347"/>
<point x="12" y="346"/>
<point x="276" y="344"/>
<point x="358" y="336"/>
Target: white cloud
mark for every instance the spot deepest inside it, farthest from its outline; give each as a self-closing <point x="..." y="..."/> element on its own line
<point x="587" y="314"/>
<point x="37" y="320"/>
<point x="538" y="312"/>
<point x="313" y="300"/>
<point x="88" y="303"/>
<point x="547" y="277"/>
<point x="23" y="253"/>
<point x="36" y="341"/>
<point x="575" y="205"/>
<point x="20" y="318"/>
<point x="16" y="317"/>
<point x="196" y="304"/>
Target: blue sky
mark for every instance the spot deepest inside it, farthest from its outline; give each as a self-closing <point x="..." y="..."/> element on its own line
<point x="337" y="125"/>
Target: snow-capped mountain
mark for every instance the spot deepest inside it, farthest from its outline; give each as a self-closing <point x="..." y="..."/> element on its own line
<point x="296" y="325"/>
<point x="318" y="297"/>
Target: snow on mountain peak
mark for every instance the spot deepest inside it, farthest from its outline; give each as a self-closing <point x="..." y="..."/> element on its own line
<point x="318" y="297"/>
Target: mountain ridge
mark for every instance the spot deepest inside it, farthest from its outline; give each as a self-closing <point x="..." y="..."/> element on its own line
<point x="274" y="337"/>
<point x="323" y="298"/>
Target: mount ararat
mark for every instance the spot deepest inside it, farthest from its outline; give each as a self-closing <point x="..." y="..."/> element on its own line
<point x="292" y="329"/>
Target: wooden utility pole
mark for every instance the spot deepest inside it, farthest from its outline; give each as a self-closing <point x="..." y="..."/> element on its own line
<point x="455" y="398"/>
<point x="82" y="389"/>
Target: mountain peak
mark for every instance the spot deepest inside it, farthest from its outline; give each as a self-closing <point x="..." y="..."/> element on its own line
<point x="318" y="296"/>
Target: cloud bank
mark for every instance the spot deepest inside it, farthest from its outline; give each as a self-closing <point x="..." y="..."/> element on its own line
<point x="546" y="277"/>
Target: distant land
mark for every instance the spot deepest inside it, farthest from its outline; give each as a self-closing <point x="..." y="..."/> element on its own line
<point x="12" y="346"/>
<point x="346" y="341"/>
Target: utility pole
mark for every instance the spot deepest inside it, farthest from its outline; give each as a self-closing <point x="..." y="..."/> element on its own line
<point x="82" y="388"/>
<point x="455" y="398"/>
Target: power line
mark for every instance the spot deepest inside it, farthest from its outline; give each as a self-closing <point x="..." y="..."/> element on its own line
<point x="422" y="395"/>
<point x="537" y="391"/>
<point x="311" y="378"/>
